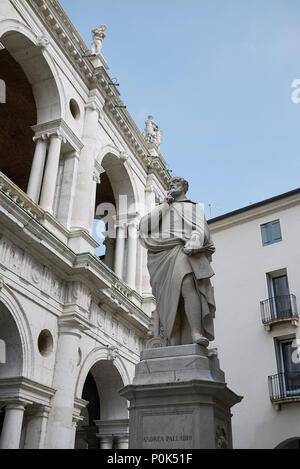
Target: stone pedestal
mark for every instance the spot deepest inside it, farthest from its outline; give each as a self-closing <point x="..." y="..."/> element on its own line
<point x="179" y="400"/>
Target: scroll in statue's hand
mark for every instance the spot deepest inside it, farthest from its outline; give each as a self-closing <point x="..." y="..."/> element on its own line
<point x="193" y="245"/>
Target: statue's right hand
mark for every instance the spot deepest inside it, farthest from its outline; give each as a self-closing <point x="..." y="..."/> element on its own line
<point x="169" y="199"/>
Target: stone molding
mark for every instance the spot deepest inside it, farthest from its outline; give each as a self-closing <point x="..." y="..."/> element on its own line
<point x="60" y="128"/>
<point x="25" y="390"/>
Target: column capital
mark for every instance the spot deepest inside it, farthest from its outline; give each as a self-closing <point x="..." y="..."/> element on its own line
<point x="121" y="230"/>
<point x="92" y="106"/>
<point x="149" y="188"/>
<point x="96" y="176"/>
<point x="16" y="405"/>
<point x="124" y="155"/>
<point x="133" y="224"/>
<point x="71" y="154"/>
<point x="57" y="134"/>
<point x="37" y="410"/>
<point x="40" y="137"/>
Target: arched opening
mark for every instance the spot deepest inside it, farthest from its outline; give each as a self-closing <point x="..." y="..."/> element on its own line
<point x="105" y="197"/>
<point x="12" y="360"/>
<point x="115" y="201"/>
<point x="291" y="443"/>
<point x="105" y="422"/>
<point x="18" y="114"/>
<point x="32" y="98"/>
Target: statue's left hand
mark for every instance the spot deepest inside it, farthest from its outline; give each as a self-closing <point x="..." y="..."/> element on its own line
<point x="193" y="245"/>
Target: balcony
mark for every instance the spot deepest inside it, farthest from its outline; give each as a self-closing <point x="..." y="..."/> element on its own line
<point x="284" y="388"/>
<point x="279" y="309"/>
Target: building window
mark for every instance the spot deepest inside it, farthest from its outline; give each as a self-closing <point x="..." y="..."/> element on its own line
<point x="288" y="363"/>
<point x="271" y="232"/>
<point x="279" y="295"/>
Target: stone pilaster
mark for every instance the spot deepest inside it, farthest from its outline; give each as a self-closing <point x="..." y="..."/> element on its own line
<point x="120" y="250"/>
<point x="131" y="255"/>
<point x="60" y="433"/>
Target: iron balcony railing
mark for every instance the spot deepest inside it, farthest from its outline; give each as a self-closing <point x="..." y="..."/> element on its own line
<point x="279" y="307"/>
<point x="284" y="386"/>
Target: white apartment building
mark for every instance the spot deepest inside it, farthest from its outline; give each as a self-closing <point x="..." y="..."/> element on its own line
<point x="257" y="289"/>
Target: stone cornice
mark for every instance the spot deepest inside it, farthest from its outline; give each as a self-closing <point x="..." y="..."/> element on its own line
<point x="59" y="125"/>
<point x="62" y="30"/>
<point x="24" y="389"/>
<point x="253" y="212"/>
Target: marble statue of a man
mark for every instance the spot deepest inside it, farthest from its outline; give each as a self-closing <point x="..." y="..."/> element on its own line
<point x="179" y="245"/>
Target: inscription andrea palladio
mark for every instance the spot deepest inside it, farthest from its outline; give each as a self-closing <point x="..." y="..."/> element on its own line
<point x="167" y="438"/>
<point x="179" y="245"/>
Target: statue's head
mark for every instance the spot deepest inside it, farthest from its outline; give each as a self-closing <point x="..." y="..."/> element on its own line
<point x="178" y="185"/>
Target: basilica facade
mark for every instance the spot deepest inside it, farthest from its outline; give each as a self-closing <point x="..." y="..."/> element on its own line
<point x="73" y="319"/>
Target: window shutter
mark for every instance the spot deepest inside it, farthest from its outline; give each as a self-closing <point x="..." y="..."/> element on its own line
<point x="275" y="231"/>
<point x="271" y="232"/>
<point x="265" y="234"/>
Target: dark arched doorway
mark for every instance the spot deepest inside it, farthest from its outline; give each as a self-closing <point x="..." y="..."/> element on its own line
<point x="17" y="116"/>
<point x="291" y="443"/>
<point x="105" y="419"/>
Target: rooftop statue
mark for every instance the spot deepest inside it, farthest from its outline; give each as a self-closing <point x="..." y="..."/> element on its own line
<point x="98" y="38"/>
<point x="152" y="133"/>
<point x="179" y="245"/>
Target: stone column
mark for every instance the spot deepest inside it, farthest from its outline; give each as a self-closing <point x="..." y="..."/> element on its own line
<point x="67" y="194"/>
<point x="36" y="418"/>
<point x="37" y="168"/>
<point x="12" y="426"/>
<point x="60" y="432"/>
<point x="95" y="181"/>
<point x="50" y="176"/>
<point x="84" y="184"/>
<point x="144" y="283"/>
<point x="106" y="442"/>
<point x="122" y="442"/>
<point x="131" y="255"/>
<point x="120" y="250"/>
<point x="109" y="252"/>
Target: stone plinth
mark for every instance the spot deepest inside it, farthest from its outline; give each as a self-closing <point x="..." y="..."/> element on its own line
<point x="179" y="400"/>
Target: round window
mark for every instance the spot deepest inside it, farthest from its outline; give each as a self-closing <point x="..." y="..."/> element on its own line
<point x="45" y="343"/>
<point x="74" y="108"/>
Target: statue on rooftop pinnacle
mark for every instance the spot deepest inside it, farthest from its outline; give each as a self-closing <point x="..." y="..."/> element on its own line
<point x="98" y="38"/>
<point x="180" y="247"/>
<point x="152" y="133"/>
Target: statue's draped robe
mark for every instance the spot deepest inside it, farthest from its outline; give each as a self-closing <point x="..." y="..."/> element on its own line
<point x="164" y="233"/>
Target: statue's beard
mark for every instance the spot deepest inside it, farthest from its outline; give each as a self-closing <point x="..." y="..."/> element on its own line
<point x="174" y="192"/>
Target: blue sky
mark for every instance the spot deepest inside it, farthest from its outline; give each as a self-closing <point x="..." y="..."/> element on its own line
<point x="216" y="75"/>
